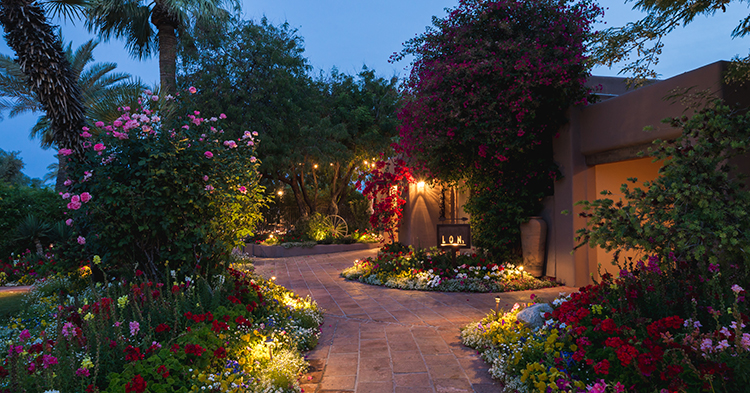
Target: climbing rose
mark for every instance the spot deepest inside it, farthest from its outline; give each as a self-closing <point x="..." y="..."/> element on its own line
<point x="65" y="152"/>
<point x="85" y="197"/>
<point x="208" y="154"/>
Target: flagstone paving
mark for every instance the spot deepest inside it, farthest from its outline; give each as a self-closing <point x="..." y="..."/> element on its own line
<point x="377" y="339"/>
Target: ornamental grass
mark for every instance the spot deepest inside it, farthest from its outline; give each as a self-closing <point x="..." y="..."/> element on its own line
<point x="433" y="270"/>
<point x="233" y="332"/>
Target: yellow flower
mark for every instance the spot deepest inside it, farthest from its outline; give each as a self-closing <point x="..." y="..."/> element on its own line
<point x="97" y="260"/>
<point x="88" y="317"/>
<point x="122" y="301"/>
<point x="87" y="363"/>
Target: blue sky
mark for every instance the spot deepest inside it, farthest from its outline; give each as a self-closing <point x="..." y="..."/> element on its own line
<point x="350" y="33"/>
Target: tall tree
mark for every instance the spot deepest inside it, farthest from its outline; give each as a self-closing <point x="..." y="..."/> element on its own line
<point x="644" y="37"/>
<point x="102" y="90"/>
<point x="50" y="75"/>
<point x="42" y="60"/>
<point x="315" y="133"/>
<point x="150" y="27"/>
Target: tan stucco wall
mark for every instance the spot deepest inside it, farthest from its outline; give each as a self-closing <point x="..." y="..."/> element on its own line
<point x="610" y="177"/>
<point x="422" y="215"/>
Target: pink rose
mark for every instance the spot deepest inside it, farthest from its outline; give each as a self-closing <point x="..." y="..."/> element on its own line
<point x="66" y="195"/>
<point x="99" y="147"/>
<point x="75" y="198"/>
<point x="154" y="98"/>
<point x="117" y="123"/>
<point x="209" y="188"/>
<point x="205" y="177"/>
<point x="99" y="124"/>
<point x="243" y="189"/>
<point x="85" y="197"/>
<point x="81" y="240"/>
<point x="253" y="159"/>
<point x="67" y="182"/>
<point x="69" y="222"/>
<point x="222" y="116"/>
<point x="208" y="154"/>
<point x="192" y="89"/>
<point x="65" y="152"/>
<point x="85" y="134"/>
<point x="74" y="205"/>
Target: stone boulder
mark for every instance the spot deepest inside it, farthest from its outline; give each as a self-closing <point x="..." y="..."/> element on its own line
<point x="534" y="315"/>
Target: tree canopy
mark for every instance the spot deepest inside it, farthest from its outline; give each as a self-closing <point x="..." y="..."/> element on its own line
<point x="644" y="37"/>
<point x="315" y="131"/>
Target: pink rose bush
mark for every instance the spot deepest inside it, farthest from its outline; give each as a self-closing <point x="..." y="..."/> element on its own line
<point x="146" y="192"/>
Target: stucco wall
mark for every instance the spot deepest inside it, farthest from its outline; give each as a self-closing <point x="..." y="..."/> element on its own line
<point x="610" y="177"/>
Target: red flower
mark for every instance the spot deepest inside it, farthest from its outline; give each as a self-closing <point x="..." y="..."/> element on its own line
<point x="614" y="342"/>
<point x="626" y="354"/>
<point x="220" y="353"/>
<point x="162" y="327"/>
<point x="175" y="348"/>
<point x="136" y="385"/>
<point x="608" y="326"/>
<point x="162" y="370"/>
<point x="219" y="326"/>
<point x="602" y="367"/>
<point x="195" y="349"/>
<point x="133" y="354"/>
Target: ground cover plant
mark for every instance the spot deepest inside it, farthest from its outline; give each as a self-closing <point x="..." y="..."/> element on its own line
<point x="675" y="320"/>
<point x="233" y="332"/>
<point x="398" y="266"/>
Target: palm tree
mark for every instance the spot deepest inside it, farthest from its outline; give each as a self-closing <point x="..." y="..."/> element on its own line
<point x="48" y="73"/>
<point x="133" y="20"/>
<point x="102" y="90"/>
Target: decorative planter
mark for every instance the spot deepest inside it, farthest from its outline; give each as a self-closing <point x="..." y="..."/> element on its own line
<point x="533" y="243"/>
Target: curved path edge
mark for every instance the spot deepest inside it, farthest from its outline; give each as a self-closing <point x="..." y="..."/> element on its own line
<point x="380" y="340"/>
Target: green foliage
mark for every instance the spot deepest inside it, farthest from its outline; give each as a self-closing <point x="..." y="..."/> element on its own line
<point x="696" y="211"/>
<point x="317" y="131"/>
<point x="17" y="202"/>
<point x="182" y="193"/>
<point x="645" y="37"/>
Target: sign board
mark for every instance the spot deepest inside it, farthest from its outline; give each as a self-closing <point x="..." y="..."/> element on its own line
<point x="454" y="235"/>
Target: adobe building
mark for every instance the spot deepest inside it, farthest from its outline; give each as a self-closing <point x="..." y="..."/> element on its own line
<point x="597" y="150"/>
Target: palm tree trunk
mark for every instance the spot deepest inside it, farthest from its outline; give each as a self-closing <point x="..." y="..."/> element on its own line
<point x="166" y="25"/>
<point x="50" y="75"/>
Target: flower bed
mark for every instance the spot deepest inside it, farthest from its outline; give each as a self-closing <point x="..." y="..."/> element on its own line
<point x="433" y="270"/>
<point x="234" y="332"/>
<point x="604" y="338"/>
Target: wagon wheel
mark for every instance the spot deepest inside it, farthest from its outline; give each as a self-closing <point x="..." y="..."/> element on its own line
<point x="337" y="226"/>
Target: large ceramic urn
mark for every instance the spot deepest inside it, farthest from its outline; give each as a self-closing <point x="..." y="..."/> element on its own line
<point x="533" y="242"/>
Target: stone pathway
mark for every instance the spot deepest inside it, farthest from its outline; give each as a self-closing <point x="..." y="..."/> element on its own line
<point x="377" y="339"/>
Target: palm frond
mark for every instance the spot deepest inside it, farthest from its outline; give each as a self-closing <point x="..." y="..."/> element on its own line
<point x="104" y="108"/>
<point x="43" y="131"/>
<point x="65" y="9"/>
<point x="83" y="55"/>
<point x="126" y="19"/>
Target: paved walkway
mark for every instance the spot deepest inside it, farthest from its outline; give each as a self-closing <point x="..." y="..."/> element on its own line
<point x="377" y="339"/>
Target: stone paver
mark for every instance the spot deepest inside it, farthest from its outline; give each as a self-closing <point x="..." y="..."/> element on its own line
<point x="377" y="339"/>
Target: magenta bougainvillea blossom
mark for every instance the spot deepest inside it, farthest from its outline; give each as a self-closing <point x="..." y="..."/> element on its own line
<point x="488" y="91"/>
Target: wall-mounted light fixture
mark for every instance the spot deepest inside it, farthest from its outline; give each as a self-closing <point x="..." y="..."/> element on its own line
<point x="420" y="186"/>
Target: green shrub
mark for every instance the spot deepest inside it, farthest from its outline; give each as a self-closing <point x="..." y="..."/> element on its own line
<point x="151" y="191"/>
<point x="693" y="218"/>
<point x="16" y="203"/>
